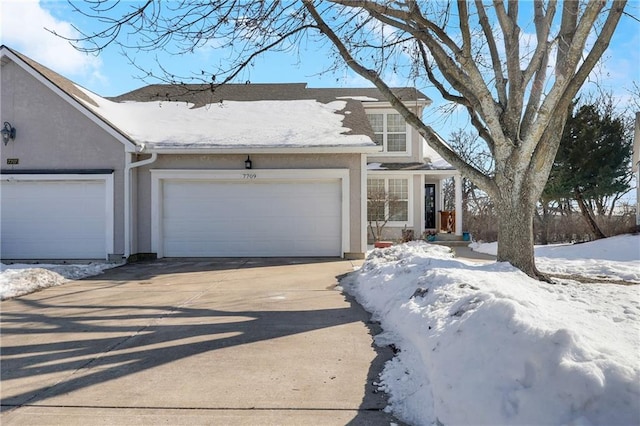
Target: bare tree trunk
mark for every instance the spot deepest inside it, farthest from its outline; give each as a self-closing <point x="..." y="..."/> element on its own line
<point x="587" y="214"/>
<point x="515" y="240"/>
<point x="515" y="235"/>
<point x="543" y="220"/>
<point x="600" y="206"/>
<point x="373" y="232"/>
<point x="613" y="204"/>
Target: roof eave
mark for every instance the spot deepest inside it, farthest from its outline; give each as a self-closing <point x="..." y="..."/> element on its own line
<point x="420" y="101"/>
<point x="246" y="150"/>
<point x="426" y="172"/>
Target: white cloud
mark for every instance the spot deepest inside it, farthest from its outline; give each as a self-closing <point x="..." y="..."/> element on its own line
<point x="23" y="24"/>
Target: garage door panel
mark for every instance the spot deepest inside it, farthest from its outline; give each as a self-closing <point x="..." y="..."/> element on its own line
<point x="53" y="219"/>
<point x="269" y="218"/>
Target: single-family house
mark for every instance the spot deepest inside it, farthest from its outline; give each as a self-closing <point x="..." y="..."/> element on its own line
<point x="186" y="171"/>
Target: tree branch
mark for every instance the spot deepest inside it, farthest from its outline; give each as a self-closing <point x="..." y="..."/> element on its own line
<point x="564" y="89"/>
<point x="595" y="53"/>
<point x="427" y="132"/>
<point x="501" y="82"/>
<point x="463" y="19"/>
<point x="538" y="63"/>
<point x="475" y="120"/>
<point x="508" y="21"/>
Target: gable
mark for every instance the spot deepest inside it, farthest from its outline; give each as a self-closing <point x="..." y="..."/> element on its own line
<point x="51" y="133"/>
<point x="63" y="88"/>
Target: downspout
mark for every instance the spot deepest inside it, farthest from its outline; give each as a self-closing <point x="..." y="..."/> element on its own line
<point x="129" y="166"/>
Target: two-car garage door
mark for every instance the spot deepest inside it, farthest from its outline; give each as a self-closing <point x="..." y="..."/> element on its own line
<point x="259" y="217"/>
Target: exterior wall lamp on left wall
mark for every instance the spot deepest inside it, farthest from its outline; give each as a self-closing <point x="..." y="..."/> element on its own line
<point x="8" y="132"/>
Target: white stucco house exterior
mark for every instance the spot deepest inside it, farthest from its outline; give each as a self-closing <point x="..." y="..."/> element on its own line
<point x="181" y="171"/>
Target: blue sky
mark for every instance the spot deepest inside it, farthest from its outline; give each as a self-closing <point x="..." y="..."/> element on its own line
<point x="109" y="74"/>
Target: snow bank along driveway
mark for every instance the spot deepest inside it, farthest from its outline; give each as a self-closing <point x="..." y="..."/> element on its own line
<point x="486" y="344"/>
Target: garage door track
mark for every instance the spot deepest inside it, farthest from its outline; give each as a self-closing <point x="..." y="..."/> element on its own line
<point x="225" y="341"/>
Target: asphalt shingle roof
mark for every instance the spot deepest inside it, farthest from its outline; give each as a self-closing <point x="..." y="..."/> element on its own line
<point x="201" y="94"/>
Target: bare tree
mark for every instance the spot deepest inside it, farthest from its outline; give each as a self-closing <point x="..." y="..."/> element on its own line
<point x="634" y="91"/>
<point x="516" y="87"/>
<point x="479" y="217"/>
<point x="379" y="202"/>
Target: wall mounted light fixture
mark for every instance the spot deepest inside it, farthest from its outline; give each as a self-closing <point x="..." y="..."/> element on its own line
<point x="247" y="163"/>
<point x="8" y="132"/>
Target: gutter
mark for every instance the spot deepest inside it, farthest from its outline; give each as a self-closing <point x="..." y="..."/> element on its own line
<point x="129" y="166"/>
<point x="244" y="150"/>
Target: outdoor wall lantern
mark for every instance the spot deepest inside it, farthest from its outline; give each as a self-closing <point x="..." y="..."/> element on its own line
<point x="8" y="132"/>
<point x="247" y="162"/>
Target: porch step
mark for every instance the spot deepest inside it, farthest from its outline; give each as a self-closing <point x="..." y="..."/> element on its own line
<point x="450" y="240"/>
<point x="451" y="243"/>
<point x="448" y="237"/>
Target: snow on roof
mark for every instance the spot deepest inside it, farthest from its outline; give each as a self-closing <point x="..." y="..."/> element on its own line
<point x="375" y="166"/>
<point x="432" y="157"/>
<point x="230" y="124"/>
<point x="360" y="98"/>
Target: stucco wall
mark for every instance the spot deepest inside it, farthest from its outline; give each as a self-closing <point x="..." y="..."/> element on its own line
<point x="52" y="135"/>
<point x="236" y="162"/>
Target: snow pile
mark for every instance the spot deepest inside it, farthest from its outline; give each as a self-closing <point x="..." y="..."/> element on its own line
<point x="610" y="258"/>
<point x="485" y="344"/>
<point x="19" y="279"/>
<point x="486" y="248"/>
<point x="167" y="124"/>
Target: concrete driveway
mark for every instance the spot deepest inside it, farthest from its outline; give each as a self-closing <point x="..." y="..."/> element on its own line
<point x="224" y="341"/>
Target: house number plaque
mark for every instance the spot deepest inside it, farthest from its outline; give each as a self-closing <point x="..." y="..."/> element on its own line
<point x="249" y="176"/>
<point x="12" y="161"/>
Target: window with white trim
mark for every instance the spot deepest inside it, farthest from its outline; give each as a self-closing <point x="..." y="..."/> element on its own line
<point x="390" y="130"/>
<point x="388" y="198"/>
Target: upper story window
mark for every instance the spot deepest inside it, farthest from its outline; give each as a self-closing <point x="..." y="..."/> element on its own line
<point x="390" y="131"/>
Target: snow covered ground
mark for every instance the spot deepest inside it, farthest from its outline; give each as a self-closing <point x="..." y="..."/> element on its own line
<point x="485" y="344"/>
<point x="614" y="258"/>
<point x="19" y="279"/>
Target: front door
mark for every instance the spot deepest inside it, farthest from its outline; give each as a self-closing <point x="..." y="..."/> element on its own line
<point x="430" y="206"/>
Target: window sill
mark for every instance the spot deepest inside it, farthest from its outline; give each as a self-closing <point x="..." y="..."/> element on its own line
<point x="390" y="154"/>
<point x="399" y="224"/>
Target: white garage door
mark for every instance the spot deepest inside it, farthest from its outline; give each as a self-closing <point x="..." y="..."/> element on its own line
<point x="53" y="219"/>
<point x="267" y="218"/>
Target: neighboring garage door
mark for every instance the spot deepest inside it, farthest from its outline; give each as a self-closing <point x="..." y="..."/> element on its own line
<point x="203" y="218"/>
<point x="52" y="219"/>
